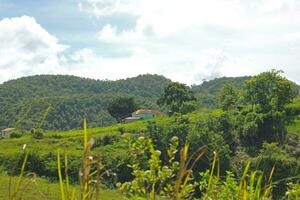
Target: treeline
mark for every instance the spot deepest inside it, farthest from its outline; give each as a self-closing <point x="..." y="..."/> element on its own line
<point x="251" y="125"/>
<point x="57" y="102"/>
<point x="60" y="102"/>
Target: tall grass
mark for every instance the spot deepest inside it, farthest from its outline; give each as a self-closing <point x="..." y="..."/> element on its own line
<point x="252" y="185"/>
<point x="90" y="173"/>
<point x="14" y="194"/>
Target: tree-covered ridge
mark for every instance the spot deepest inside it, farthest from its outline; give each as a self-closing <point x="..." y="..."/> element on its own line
<point x="58" y="102"/>
<point x="213" y="86"/>
<point x="57" y="85"/>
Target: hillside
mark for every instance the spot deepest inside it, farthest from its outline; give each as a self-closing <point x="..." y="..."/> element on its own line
<point x="213" y="86"/>
<point x="110" y="142"/>
<point x="246" y="140"/>
<point x="58" y="102"/>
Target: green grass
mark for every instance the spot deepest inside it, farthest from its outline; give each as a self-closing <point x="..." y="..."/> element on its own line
<point x="38" y="188"/>
<point x="295" y="127"/>
<point x="72" y="142"/>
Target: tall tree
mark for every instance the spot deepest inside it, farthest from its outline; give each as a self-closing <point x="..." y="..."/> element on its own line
<point x="269" y="91"/>
<point x="121" y="107"/>
<point x="174" y="96"/>
<point x="267" y="94"/>
<point x="228" y="97"/>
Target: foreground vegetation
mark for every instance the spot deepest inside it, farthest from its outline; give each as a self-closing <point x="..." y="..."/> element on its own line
<point x="247" y="148"/>
<point x="34" y="188"/>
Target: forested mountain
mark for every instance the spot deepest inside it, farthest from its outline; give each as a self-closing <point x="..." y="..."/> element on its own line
<point x="59" y="102"/>
<point x="58" y="85"/>
<point x="213" y="86"/>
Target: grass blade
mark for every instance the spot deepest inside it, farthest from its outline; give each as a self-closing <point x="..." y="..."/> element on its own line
<point x="60" y="177"/>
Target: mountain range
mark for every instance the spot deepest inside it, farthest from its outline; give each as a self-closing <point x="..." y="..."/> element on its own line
<point x="59" y="102"/>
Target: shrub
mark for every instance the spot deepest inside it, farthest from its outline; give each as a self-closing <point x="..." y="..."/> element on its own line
<point x="109" y="139"/>
<point x="285" y="166"/>
<point x="16" y="134"/>
<point x="121" y="130"/>
<point x="37" y="133"/>
<point x="293" y="191"/>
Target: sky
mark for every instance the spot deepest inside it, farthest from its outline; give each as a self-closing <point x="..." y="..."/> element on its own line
<point x="187" y="41"/>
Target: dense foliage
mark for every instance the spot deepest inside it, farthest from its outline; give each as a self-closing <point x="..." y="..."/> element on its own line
<point x="55" y="102"/>
<point x="251" y="142"/>
<point x="121" y="107"/>
<point x="177" y="97"/>
<point x="213" y="86"/>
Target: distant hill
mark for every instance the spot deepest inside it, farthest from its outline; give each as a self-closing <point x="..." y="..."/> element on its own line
<point x="59" y="102"/>
<point x="213" y="86"/>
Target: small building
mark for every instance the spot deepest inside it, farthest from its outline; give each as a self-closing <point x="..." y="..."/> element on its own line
<point x="147" y="113"/>
<point x="5" y="133"/>
<point x="131" y="119"/>
<point x="142" y="114"/>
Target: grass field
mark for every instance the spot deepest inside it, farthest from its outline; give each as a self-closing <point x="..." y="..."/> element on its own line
<point x="72" y="142"/>
<point x="295" y="127"/>
<point x="38" y="189"/>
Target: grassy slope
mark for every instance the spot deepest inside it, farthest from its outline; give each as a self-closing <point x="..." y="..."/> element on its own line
<point x="295" y="127"/>
<point x="72" y="141"/>
<point x="38" y="188"/>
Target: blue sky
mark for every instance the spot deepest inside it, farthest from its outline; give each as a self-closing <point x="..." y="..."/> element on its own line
<point x="187" y="41"/>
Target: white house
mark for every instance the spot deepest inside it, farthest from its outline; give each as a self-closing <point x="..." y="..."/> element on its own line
<point x="5" y="133"/>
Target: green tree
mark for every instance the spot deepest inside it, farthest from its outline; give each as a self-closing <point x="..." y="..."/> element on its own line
<point x="269" y="91"/>
<point x="174" y="97"/>
<point x="228" y="97"/>
<point x="121" y="107"/>
<point x="265" y="119"/>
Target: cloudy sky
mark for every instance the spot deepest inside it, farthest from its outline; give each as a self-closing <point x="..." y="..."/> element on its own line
<point x="185" y="40"/>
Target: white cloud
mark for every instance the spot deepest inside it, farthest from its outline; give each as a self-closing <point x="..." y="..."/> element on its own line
<point x="88" y="64"/>
<point x="101" y="8"/>
<point x="190" y="40"/>
<point x="184" y="40"/>
<point x="26" y="48"/>
<point x="108" y="33"/>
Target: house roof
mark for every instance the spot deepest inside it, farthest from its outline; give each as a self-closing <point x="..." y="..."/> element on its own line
<point x="132" y="118"/>
<point x="7" y="129"/>
<point x="149" y="111"/>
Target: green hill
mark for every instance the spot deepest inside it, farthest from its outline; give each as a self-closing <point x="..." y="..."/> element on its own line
<point x="58" y="102"/>
<point x="213" y="86"/>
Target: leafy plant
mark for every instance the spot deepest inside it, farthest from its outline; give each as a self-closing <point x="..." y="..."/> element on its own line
<point x="249" y="186"/>
<point x="293" y="191"/>
<point x="172" y="181"/>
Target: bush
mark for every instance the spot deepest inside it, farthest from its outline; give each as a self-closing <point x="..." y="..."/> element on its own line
<point x="37" y="133"/>
<point x="16" y="134"/>
<point x="285" y="166"/>
<point x="109" y="139"/>
<point x="187" y="107"/>
<point x="121" y="130"/>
